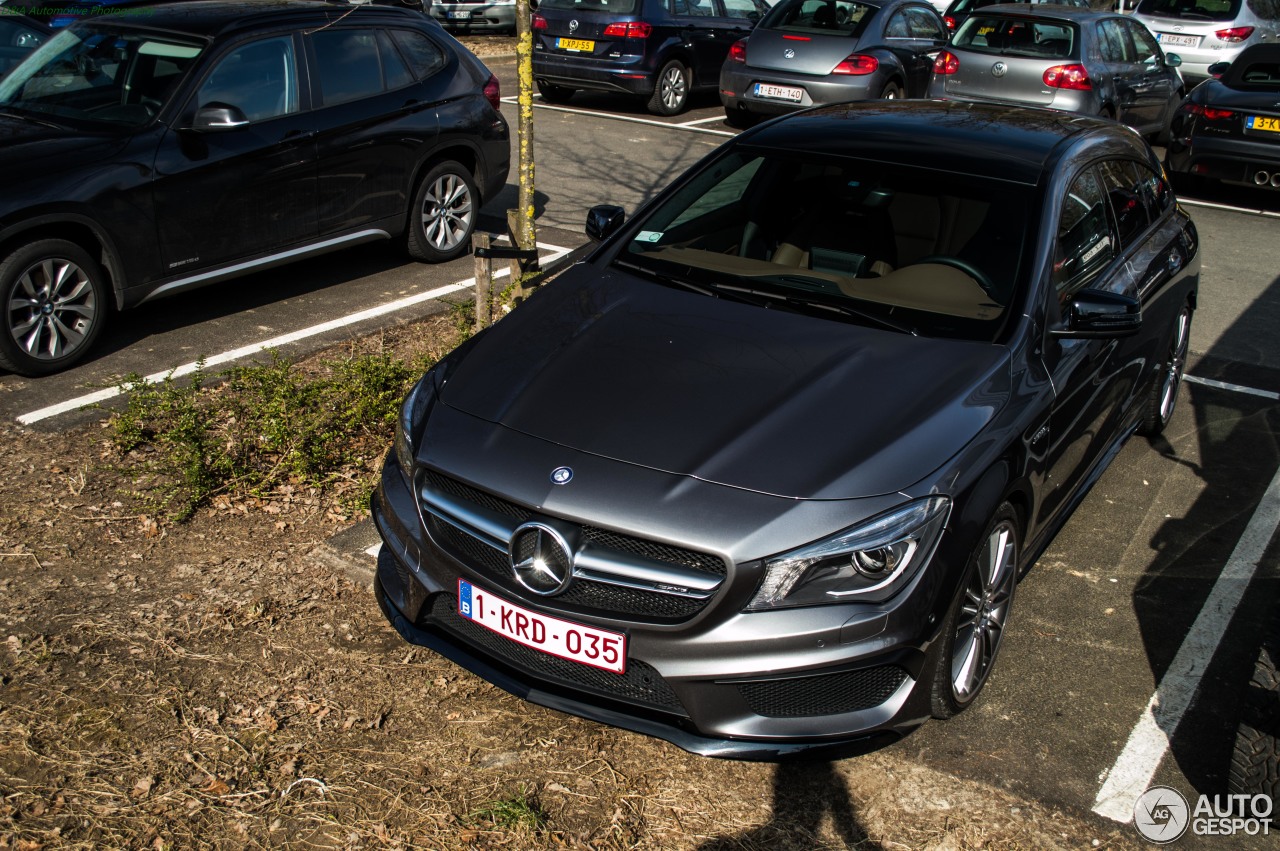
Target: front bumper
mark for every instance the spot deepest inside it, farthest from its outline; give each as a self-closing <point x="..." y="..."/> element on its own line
<point x="838" y="679"/>
<point x="475" y="17"/>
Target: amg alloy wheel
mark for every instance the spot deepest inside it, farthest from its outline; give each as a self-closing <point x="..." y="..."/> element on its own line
<point x="54" y="306"/>
<point x="443" y="214"/>
<point x="1164" y="389"/>
<point x="975" y="625"/>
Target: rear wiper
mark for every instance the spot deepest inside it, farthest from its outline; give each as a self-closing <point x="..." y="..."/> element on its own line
<point x="823" y="304"/>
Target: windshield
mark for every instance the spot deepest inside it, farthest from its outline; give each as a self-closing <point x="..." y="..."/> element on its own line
<point x="108" y="77"/>
<point x="915" y="249"/>
<point x="1197" y="10"/>
<point x="1042" y="39"/>
<point x="825" y="17"/>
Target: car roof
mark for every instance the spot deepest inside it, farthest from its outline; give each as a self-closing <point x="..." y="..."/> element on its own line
<point x="985" y="140"/>
<point x="210" y="18"/>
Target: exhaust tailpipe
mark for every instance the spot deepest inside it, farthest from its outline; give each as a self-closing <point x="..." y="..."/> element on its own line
<point x="1261" y="178"/>
<point x="1275" y="180"/>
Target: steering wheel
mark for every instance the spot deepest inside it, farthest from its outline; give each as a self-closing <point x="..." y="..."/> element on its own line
<point x="964" y="266"/>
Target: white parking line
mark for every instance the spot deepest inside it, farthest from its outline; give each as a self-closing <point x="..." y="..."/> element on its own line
<point x="1234" y="388"/>
<point x="651" y="122"/>
<point x="276" y="342"/>
<point x="1149" y="742"/>
<point x="696" y="121"/>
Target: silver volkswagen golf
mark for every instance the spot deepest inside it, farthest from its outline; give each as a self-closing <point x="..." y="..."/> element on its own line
<point x="1075" y="60"/>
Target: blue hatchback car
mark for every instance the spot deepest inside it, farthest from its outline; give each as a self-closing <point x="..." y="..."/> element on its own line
<point x="660" y="50"/>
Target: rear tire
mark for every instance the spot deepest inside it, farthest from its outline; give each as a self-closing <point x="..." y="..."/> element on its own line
<point x="671" y="91"/>
<point x="972" y="632"/>
<point x="1162" y="399"/>
<point x="554" y="94"/>
<point x="443" y="215"/>
<point x="54" y="298"/>
<point x="892" y="91"/>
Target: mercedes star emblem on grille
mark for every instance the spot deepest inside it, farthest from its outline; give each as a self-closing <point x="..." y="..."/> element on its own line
<point x="561" y="475"/>
<point x="541" y="559"/>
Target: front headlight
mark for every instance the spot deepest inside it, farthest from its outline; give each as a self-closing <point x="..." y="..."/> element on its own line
<point x="867" y="563"/>
<point x="413" y="412"/>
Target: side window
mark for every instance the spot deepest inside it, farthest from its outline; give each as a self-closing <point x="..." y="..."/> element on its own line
<point x="694" y="8"/>
<point x="425" y="58"/>
<point x="1085" y="244"/>
<point x="743" y="9"/>
<point x="1144" y="43"/>
<point x="259" y="78"/>
<point x="1115" y="42"/>
<point x="1123" y="183"/>
<point x="925" y="24"/>
<point x="347" y="65"/>
<point x="394" y="70"/>
<point x="897" y="27"/>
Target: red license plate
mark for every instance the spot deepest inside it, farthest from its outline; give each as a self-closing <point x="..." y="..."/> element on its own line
<point x="577" y="642"/>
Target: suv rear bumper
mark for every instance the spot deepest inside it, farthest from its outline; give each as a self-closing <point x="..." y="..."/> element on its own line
<point x="628" y="76"/>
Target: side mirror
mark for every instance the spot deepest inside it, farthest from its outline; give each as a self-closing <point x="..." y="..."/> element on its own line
<point x="217" y="116"/>
<point x="604" y="220"/>
<point x="1097" y="314"/>
<point x="1173" y="60"/>
<point x="1217" y="69"/>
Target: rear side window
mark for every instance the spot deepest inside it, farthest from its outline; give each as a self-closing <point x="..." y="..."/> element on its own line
<point x="1268" y="10"/>
<point x="924" y="23"/>
<point x="744" y="9"/>
<point x="622" y="7"/>
<point x="693" y="8"/>
<point x="1197" y="10"/>
<point x="1018" y="37"/>
<point x="348" y="65"/>
<point x="1085" y="244"/>
<point x="424" y="56"/>
<point x="847" y="17"/>
<point x="1113" y="41"/>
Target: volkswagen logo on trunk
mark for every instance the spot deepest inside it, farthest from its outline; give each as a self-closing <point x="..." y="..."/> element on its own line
<point x="999" y="69"/>
<point x="541" y="559"/>
<point x="573" y="25"/>
<point x="789" y="53"/>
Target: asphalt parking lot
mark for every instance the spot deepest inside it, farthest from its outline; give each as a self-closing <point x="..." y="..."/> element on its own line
<point x="1128" y="649"/>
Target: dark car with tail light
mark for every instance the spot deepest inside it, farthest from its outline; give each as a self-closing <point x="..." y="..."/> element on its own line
<point x="760" y="474"/>
<point x="660" y="51"/>
<point x="1228" y="129"/>
<point x="808" y="52"/>
<point x="1059" y="57"/>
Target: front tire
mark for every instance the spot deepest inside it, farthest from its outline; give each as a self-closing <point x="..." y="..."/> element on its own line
<point x="443" y="215"/>
<point x="1163" y="397"/>
<point x="972" y="632"/>
<point x="54" y="296"/>
<point x="671" y="92"/>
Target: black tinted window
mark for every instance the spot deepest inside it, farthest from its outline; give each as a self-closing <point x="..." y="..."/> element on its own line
<point x="1129" y="196"/>
<point x="347" y="65"/>
<point x="258" y="78"/>
<point x="1085" y="245"/>
<point x="925" y="24"/>
<point x="741" y="9"/>
<point x="1198" y="10"/>
<point x="422" y="53"/>
<point x="820" y="16"/>
<point x="394" y="70"/>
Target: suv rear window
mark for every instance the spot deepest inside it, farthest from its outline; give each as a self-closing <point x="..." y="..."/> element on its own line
<point x="1017" y="37"/>
<point x="620" y="7"/>
<point x="1200" y="10"/>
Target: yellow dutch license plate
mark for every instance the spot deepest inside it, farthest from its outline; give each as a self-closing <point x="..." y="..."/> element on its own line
<point x="1260" y="122"/>
<point x="580" y="44"/>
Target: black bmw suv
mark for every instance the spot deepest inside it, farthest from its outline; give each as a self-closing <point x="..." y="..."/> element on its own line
<point x="657" y="49"/>
<point x="147" y="154"/>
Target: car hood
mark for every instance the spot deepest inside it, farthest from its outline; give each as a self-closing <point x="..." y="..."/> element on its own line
<point x="766" y="400"/>
<point x="31" y="145"/>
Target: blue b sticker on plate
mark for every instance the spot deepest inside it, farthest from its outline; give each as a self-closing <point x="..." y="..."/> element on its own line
<point x="464" y="599"/>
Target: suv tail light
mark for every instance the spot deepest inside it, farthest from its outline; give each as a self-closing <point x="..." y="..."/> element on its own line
<point x="946" y="63"/>
<point x="1234" y="34"/>
<point x="1068" y="77"/>
<point x="493" y="92"/>
<point x="950" y="22"/>
<point x="630" y="29"/>
<point x="539" y="22"/>
<point x="738" y="51"/>
<point x="857" y="65"/>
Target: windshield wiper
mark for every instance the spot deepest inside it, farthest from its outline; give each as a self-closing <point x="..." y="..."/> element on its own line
<point x="825" y="304"/>
<point x="14" y="111"/>
<point x="714" y="289"/>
